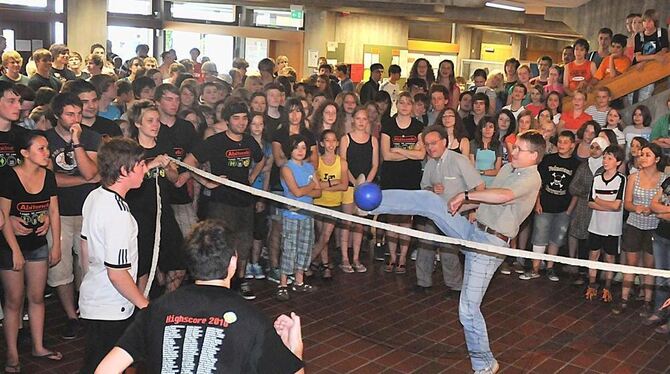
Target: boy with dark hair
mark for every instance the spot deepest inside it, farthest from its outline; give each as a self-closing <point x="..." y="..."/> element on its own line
<point x="89" y="116"/>
<point x="439" y="99"/>
<point x="10" y="109"/>
<point x="604" y="40"/>
<point x="651" y="43"/>
<point x="554" y="204"/>
<point x="465" y="104"/>
<point x="391" y="86"/>
<point x="480" y="106"/>
<point x="420" y="107"/>
<point x="543" y="65"/>
<point x="74" y="151"/>
<point x="109" y="293"/>
<point x="211" y="328"/>
<point x="144" y="88"/>
<point x="342" y="74"/>
<point x="107" y="92"/>
<point x="267" y="68"/>
<point x="371" y="87"/>
<point x="124" y="95"/>
<point x="605" y="227"/>
<point x="617" y="62"/>
<point x="416" y="86"/>
<point x="61" y="55"/>
<point x="578" y="74"/>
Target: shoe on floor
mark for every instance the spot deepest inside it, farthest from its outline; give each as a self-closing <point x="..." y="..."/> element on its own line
<point x="529" y="275"/>
<point x="70" y="330"/>
<point x="647" y="310"/>
<point x="518" y="267"/>
<point x="620" y="307"/>
<point x="303" y="288"/>
<point x="551" y="274"/>
<point x="282" y="293"/>
<point x="246" y="292"/>
<point x="359" y="268"/>
<point x="248" y="272"/>
<point x="346" y="268"/>
<point x="257" y="271"/>
<point x="505" y="269"/>
<point x="493" y="369"/>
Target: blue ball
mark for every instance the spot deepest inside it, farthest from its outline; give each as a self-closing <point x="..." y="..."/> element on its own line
<point x="368" y="196"/>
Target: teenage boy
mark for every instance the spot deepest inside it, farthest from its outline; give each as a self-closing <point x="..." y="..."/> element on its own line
<point x="578" y="74"/>
<point x="391" y="86"/>
<point x="74" y="150"/>
<point x="89" y="115"/>
<point x="215" y="331"/>
<point x="10" y="109"/>
<point x="604" y="41"/>
<point x="144" y="88"/>
<point x="109" y="293"/>
<point x="61" y="56"/>
<point x="106" y="89"/>
<point x="416" y="86"/>
<point x="518" y="94"/>
<point x="617" y="62"/>
<point x="327" y="69"/>
<point x="183" y="138"/>
<point x="342" y="74"/>
<point x="511" y="195"/>
<point x="231" y="153"/>
<point x="266" y="67"/>
<point x="650" y="44"/>
<point x="598" y="111"/>
<point x="633" y="26"/>
<point x="605" y="227"/>
<point x="465" y="104"/>
<point x="370" y="88"/>
<point x="439" y="98"/>
<point x="543" y="65"/>
<point x="42" y="76"/>
<point x="124" y="95"/>
<point x="554" y="204"/>
<point x="273" y="114"/>
<point x="446" y="174"/>
<point x="480" y="106"/>
<point x="12" y="63"/>
<point x="420" y="108"/>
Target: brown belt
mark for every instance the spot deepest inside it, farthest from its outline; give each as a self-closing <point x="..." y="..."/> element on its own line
<point x="491" y="231"/>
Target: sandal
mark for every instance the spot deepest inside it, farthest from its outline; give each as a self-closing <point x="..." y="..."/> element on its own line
<point x="346" y="268"/>
<point x="13" y="368"/>
<point x="360" y="268"/>
<point x="326" y="272"/>
<point x="400" y="269"/>
<point x="50" y="356"/>
<point x="389" y="267"/>
<point x="606" y="296"/>
<point x="591" y="292"/>
<point x="313" y="268"/>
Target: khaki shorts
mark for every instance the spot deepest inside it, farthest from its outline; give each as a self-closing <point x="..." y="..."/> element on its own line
<point x="68" y="270"/>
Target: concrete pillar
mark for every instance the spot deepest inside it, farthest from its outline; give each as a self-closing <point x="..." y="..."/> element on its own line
<point x="319" y="29"/>
<point x="86" y="24"/>
<point x="518" y="46"/>
<point x="463" y="39"/>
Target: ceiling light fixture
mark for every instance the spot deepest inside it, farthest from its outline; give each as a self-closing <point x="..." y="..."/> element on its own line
<point x="513" y="8"/>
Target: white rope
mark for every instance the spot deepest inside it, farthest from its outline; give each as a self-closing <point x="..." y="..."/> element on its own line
<point x="504" y="251"/>
<point x="157" y="239"/>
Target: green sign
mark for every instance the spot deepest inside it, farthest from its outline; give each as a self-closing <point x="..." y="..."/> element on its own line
<point x="296" y="14"/>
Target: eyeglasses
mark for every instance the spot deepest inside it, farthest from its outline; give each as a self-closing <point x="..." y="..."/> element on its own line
<point x="517" y="149"/>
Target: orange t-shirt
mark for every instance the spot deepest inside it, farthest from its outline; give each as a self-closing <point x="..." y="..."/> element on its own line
<point x="578" y="73"/>
<point x="621" y="64"/>
<point x="573" y="124"/>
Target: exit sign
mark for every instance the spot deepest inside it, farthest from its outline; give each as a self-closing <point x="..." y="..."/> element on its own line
<point x="296" y="14"/>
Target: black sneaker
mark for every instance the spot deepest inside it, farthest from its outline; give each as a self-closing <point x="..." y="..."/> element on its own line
<point x="303" y="288"/>
<point x="379" y="252"/>
<point x="620" y="307"/>
<point x="70" y="330"/>
<point x="282" y="293"/>
<point x="246" y="292"/>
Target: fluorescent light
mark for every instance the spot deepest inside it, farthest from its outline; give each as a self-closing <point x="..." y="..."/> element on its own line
<point x="505" y="6"/>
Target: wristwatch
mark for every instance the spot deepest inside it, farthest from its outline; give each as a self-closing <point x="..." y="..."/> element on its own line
<point x="466" y="193"/>
<point x="75" y="146"/>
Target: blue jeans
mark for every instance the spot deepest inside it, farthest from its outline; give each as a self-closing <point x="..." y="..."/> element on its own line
<point x="479" y="267"/>
<point x="662" y="261"/>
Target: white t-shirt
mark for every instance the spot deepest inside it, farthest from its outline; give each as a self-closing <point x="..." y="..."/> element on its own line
<point x="598" y="116"/>
<point x="394" y="91"/>
<point x="517" y="112"/>
<point x="607" y="223"/>
<point x="111" y="234"/>
<point x="630" y="132"/>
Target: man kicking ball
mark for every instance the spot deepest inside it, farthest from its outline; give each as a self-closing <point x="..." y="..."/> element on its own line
<point x="502" y="208"/>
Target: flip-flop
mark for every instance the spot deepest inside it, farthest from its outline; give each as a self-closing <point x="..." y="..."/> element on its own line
<point x="13" y="368"/>
<point x="51" y="356"/>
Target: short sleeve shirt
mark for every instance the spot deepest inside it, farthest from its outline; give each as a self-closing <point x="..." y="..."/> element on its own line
<point x="32" y="209"/>
<point x="651" y="44"/>
<point x="282" y="136"/>
<point x="230" y="158"/>
<point x="206" y="329"/>
<point x="8" y="153"/>
<point x="183" y="138"/>
<point x="525" y="183"/>
<point x="111" y="234"/>
<point x="454" y="171"/>
<point x="106" y="127"/>
<point x="607" y="222"/>
<point x="71" y="199"/>
<point x="557" y="173"/>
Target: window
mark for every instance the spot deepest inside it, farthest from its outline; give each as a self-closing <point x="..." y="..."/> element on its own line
<point x="278" y="18"/>
<point x="59" y="6"/>
<point x="254" y="51"/>
<point x="59" y="34"/>
<point x="125" y="39"/>
<point x="31" y="3"/>
<point x="9" y="35"/>
<point x="142" y="7"/>
<point x="204" y="12"/>
<point x="219" y="48"/>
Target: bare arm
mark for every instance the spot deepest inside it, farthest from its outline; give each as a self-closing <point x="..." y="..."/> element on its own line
<point x="387" y="155"/>
<point x="628" y="197"/>
<point x="54" y="218"/>
<point x="297" y="191"/>
<point x="124" y="283"/>
<point x="316" y="188"/>
<point x="278" y="154"/>
<point x="258" y="168"/>
<point x="116" y="361"/>
<point x="192" y="161"/>
<point x="658" y="207"/>
<point x="464" y="146"/>
<point x="604" y="205"/>
<point x="375" y="160"/>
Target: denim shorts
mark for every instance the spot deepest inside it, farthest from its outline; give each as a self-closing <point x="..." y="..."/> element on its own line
<point x="550" y="228"/>
<point x="36" y="255"/>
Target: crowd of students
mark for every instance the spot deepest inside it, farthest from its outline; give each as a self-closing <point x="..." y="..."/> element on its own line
<point x="604" y="192"/>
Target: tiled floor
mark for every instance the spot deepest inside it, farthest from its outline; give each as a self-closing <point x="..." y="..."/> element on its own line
<point x="375" y="323"/>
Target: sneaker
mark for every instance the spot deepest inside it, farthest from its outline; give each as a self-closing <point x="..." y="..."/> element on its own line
<point x="249" y="272"/>
<point x="379" y="252"/>
<point x="70" y="330"/>
<point x="505" y="269"/>
<point x="48" y="292"/>
<point x="282" y="293"/>
<point x="273" y="275"/>
<point x="413" y="255"/>
<point x="246" y="292"/>
<point x="551" y="274"/>
<point x="257" y="270"/>
<point x="518" y="267"/>
<point x="493" y="369"/>
<point x="529" y="275"/>
<point x="359" y="268"/>
<point x="303" y="288"/>
<point x="346" y="268"/>
<point x="620" y="307"/>
<point x="647" y="310"/>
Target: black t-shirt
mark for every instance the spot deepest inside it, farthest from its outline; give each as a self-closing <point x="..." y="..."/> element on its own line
<point x="651" y="44"/>
<point x="557" y="173"/>
<point x="272" y="124"/>
<point x="71" y="199"/>
<point x="470" y="125"/>
<point x="405" y="174"/>
<point x="282" y="136"/>
<point x="63" y="75"/>
<point x="106" y="127"/>
<point x="37" y="81"/>
<point x="232" y="159"/>
<point x="183" y="137"/>
<point x="33" y="209"/>
<point x="8" y="154"/>
<point x="206" y="329"/>
<point x="663" y="228"/>
<point x="142" y="200"/>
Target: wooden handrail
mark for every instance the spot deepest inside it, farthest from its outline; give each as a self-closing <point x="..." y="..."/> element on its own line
<point x="636" y="77"/>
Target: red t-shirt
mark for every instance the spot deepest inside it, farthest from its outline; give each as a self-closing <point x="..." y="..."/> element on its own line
<point x="578" y="73"/>
<point x="573" y="124"/>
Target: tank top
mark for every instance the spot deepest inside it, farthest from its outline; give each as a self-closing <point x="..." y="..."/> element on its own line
<point x="303" y="175"/>
<point x="325" y="173"/>
<point x="643" y="196"/>
<point x="579" y="74"/>
<point x="359" y="157"/>
<point x="405" y="174"/>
